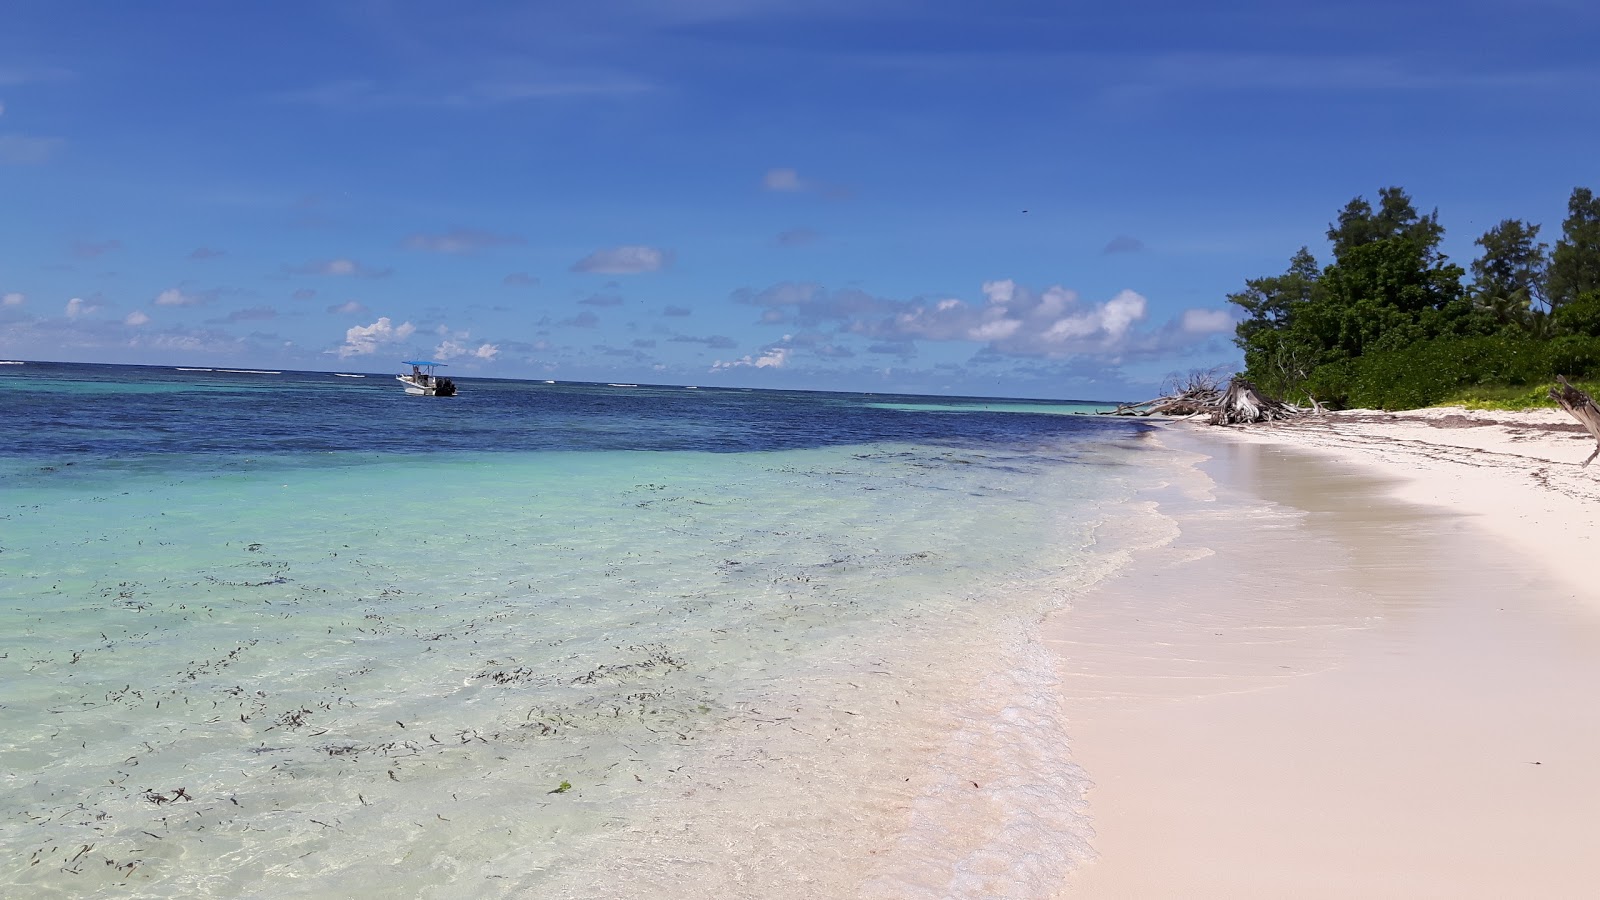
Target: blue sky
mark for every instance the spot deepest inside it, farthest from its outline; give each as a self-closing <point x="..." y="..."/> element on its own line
<point x="1004" y="198"/>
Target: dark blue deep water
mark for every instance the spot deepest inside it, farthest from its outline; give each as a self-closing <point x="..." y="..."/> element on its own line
<point x="76" y="412"/>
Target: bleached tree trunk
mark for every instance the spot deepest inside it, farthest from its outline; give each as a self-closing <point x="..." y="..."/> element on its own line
<point x="1243" y="403"/>
<point x="1581" y="407"/>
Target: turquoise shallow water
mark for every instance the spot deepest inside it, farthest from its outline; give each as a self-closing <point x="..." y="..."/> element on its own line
<point x="665" y="658"/>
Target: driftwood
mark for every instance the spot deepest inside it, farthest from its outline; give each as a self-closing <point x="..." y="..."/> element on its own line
<point x="1581" y="407"/>
<point x="1239" y="404"/>
<point x="1243" y="404"/>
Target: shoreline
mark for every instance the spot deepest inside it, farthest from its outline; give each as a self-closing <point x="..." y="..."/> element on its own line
<point x="1371" y="678"/>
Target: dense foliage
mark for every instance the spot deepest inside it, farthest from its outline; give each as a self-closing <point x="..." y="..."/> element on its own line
<point x="1392" y="323"/>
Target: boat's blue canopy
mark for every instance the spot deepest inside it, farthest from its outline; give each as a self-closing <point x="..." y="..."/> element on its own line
<point x="419" y="362"/>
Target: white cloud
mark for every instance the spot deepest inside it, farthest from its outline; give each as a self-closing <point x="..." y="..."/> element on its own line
<point x="453" y="349"/>
<point x="360" y="340"/>
<point x="176" y="297"/>
<point x="136" y="318"/>
<point x="460" y="241"/>
<point x="1013" y="320"/>
<point x="772" y="358"/>
<point x="348" y="308"/>
<point x="1207" y="321"/>
<point x="13" y="299"/>
<point x="787" y="180"/>
<point x="626" y="260"/>
<point x="78" y="307"/>
<point x="342" y="267"/>
<point x="1000" y="292"/>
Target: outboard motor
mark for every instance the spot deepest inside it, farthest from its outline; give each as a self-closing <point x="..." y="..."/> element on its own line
<point x="445" y="388"/>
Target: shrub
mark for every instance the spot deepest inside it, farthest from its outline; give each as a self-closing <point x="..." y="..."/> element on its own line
<point x="1429" y="372"/>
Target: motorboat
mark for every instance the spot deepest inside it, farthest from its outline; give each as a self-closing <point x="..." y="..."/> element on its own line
<point x="422" y="381"/>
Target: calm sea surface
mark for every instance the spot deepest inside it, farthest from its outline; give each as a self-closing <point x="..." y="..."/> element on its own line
<point x="300" y="635"/>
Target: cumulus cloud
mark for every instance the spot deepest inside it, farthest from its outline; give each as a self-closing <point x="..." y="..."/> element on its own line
<point x="1206" y="321"/>
<point x="788" y="181"/>
<point x="1013" y="320"/>
<point x="206" y="253"/>
<point x="461" y="241"/>
<point x="92" y="249"/>
<point x="22" y="150"/>
<point x="348" y="308"/>
<point x="626" y="260"/>
<point x="136" y="318"/>
<point x="1123" y="244"/>
<point x="771" y="358"/>
<point x="179" y="297"/>
<point x="782" y="180"/>
<point x="78" y="307"/>
<point x="360" y="340"/>
<point x="452" y="349"/>
<point x="13" y="299"/>
<point x="341" y="266"/>
<point x="519" y="279"/>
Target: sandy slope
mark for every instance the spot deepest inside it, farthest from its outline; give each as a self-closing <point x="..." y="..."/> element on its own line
<point x="1366" y="668"/>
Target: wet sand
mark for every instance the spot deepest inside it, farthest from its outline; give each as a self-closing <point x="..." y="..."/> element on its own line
<point x="1339" y="682"/>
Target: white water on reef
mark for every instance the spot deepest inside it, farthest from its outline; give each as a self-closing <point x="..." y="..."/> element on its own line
<point x="792" y="673"/>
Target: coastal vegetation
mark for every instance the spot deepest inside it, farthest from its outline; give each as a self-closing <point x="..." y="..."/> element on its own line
<point x="1391" y="322"/>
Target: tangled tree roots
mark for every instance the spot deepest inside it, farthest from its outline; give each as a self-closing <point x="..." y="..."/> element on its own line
<point x="1242" y="403"/>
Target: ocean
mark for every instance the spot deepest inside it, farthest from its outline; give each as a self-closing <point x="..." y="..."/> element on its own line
<point x="290" y="634"/>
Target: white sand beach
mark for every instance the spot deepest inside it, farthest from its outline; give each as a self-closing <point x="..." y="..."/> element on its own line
<point x="1365" y="666"/>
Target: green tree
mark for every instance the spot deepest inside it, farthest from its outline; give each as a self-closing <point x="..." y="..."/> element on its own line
<point x="1508" y="279"/>
<point x="1388" y="287"/>
<point x="1575" y="264"/>
<point x="1580" y="315"/>
<point x="1359" y="224"/>
<point x="1389" y="293"/>
<point x="1277" y="356"/>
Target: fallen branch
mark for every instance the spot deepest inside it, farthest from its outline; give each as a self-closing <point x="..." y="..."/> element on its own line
<point x="1580" y="406"/>
<point x="1240" y="403"/>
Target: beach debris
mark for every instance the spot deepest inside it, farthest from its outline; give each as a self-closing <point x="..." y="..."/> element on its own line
<point x="1580" y="406"/>
<point x="1242" y="403"/>
<point x="565" y="786"/>
<point x="1203" y="393"/>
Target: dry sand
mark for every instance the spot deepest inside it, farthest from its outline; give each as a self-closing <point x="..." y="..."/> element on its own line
<point x="1366" y="667"/>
